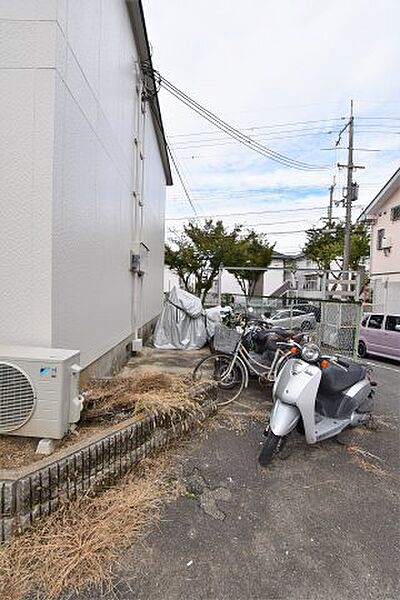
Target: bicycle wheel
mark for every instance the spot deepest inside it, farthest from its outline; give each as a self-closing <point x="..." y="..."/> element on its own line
<point x="214" y="369"/>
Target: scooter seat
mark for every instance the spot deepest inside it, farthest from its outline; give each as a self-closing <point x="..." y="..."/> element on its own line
<point x="336" y="378"/>
<point x="266" y="339"/>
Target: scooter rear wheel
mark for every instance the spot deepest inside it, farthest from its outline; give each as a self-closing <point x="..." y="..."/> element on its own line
<point x="272" y="445"/>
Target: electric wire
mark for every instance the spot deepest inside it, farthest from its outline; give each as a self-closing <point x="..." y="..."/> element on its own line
<point x="154" y="111"/>
<point x="283" y="126"/>
<point x="222" y="142"/>
<point x="255" y="212"/>
<point x="277" y="125"/>
<point x="252" y="144"/>
<point x="270" y="131"/>
<point x="174" y="162"/>
<point x="235" y="133"/>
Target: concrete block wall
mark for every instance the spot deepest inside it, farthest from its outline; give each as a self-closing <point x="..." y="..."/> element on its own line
<point x="26" y="499"/>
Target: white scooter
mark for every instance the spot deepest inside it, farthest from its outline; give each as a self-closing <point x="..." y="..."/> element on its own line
<point x="321" y="395"/>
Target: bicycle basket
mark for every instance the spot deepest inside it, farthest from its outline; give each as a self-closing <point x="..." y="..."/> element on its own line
<point x="226" y="340"/>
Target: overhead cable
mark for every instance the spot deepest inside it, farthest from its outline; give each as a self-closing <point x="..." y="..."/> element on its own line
<point x="256" y="212"/>
<point x="233" y="132"/>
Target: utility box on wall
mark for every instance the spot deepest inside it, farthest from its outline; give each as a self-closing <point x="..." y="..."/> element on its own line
<point x="139" y="258"/>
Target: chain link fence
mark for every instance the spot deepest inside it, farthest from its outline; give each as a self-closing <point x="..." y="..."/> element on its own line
<point x="332" y="324"/>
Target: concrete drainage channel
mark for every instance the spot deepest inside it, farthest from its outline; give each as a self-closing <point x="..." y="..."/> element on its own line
<point x="26" y="498"/>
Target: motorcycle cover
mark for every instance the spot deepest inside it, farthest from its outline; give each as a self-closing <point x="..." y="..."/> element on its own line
<point x="183" y="323"/>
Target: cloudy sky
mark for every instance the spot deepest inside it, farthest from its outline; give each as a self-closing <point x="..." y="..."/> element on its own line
<point x="284" y="73"/>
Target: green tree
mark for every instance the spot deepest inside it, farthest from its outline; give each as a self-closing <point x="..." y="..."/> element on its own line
<point x="251" y="250"/>
<point x="199" y="251"/>
<point x="325" y="245"/>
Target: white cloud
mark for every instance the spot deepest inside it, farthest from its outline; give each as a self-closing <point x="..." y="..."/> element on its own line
<point x="267" y="62"/>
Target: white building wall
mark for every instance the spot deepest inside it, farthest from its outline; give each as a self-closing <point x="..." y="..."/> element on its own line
<point x="153" y="232"/>
<point x="27" y="87"/>
<point x="273" y="278"/>
<point x="67" y="171"/>
<point x="229" y="284"/>
<point x="93" y="177"/>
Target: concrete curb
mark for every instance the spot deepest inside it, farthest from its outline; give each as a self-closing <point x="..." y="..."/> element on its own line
<point x="40" y="491"/>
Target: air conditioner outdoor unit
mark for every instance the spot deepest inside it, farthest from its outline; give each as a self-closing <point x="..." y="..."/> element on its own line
<point x="39" y="391"/>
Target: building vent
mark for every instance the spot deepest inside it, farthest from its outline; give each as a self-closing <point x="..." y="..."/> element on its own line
<point x="17" y="398"/>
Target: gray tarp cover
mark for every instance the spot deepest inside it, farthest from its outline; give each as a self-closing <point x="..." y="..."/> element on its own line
<point x="183" y="323"/>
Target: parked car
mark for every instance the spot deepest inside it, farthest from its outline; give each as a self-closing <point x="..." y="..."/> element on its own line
<point x="380" y="335"/>
<point x="292" y="319"/>
<point x="307" y="307"/>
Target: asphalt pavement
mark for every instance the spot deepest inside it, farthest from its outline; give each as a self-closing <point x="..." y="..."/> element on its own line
<point x="322" y="522"/>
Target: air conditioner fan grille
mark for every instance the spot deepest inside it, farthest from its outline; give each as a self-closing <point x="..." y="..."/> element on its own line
<point x="17" y="398"/>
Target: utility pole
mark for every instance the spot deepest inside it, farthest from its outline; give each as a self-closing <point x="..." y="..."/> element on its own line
<point x="350" y="195"/>
<point x="330" y="207"/>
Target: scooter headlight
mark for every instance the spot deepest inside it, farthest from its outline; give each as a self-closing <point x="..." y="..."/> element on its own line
<point x="310" y="353"/>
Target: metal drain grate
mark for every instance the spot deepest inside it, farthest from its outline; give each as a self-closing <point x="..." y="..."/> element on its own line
<point x="17" y="398"/>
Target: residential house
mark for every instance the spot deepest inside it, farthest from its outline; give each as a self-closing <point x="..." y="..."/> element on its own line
<point x="308" y="280"/>
<point x="383" y="213"/>
<point x="286" y="276"/>
<point x="83" y="175"/>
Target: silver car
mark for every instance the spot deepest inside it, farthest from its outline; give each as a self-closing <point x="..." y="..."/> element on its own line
<point x="292" y="319"/>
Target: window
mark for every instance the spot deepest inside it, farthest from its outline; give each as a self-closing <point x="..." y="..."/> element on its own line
<point x="393" y="324"/>
<point x="375" y="321"/>
<point x="364" y="321"/>
<point x="395" y="213"/>
<point x="381" y="235"/>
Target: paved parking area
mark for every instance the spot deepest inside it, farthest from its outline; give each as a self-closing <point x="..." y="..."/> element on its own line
<point x="322" y="522"/>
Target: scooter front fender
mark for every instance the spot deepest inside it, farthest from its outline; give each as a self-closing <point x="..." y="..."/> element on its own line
<point x="284" y="418"/>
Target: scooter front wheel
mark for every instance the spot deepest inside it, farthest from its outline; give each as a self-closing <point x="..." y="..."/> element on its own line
<point x="272" y="445"/>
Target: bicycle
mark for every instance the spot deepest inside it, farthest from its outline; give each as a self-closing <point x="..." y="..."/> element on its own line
<point x="231" y="364"/>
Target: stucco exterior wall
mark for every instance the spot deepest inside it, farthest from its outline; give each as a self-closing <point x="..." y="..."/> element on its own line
<point x="153" y="232"/>
<point x="93" y="177"/>
<point x="68" y="107"/>
<point x="27" y="88"/>
<point x="386" y="262"/>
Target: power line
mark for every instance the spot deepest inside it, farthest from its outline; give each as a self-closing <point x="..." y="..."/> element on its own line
<point x="172" y="157"/>
<point x="380" y="118"/>
<point x="275" y="135"/>
<point x="235" y="133"/>
<point x="257" y="212"/>
<point x="174" y="162"/>
<point x="221" y="142"/>
<point x="278" y="232"/>
<point x="289" y="124"/>
<point x="271" y="189"/>
<point x="266" y="197"/>
<point x="277" y="125"/>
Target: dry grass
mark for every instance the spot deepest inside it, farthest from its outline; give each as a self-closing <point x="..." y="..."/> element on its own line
<point x="17" y="451"/>
<point x="237" y="416"/>
<point x="145" y="392"/>
<point x="361" y="458"/>
<point x="107" y="403"/>
<point x="79" y="545"/>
